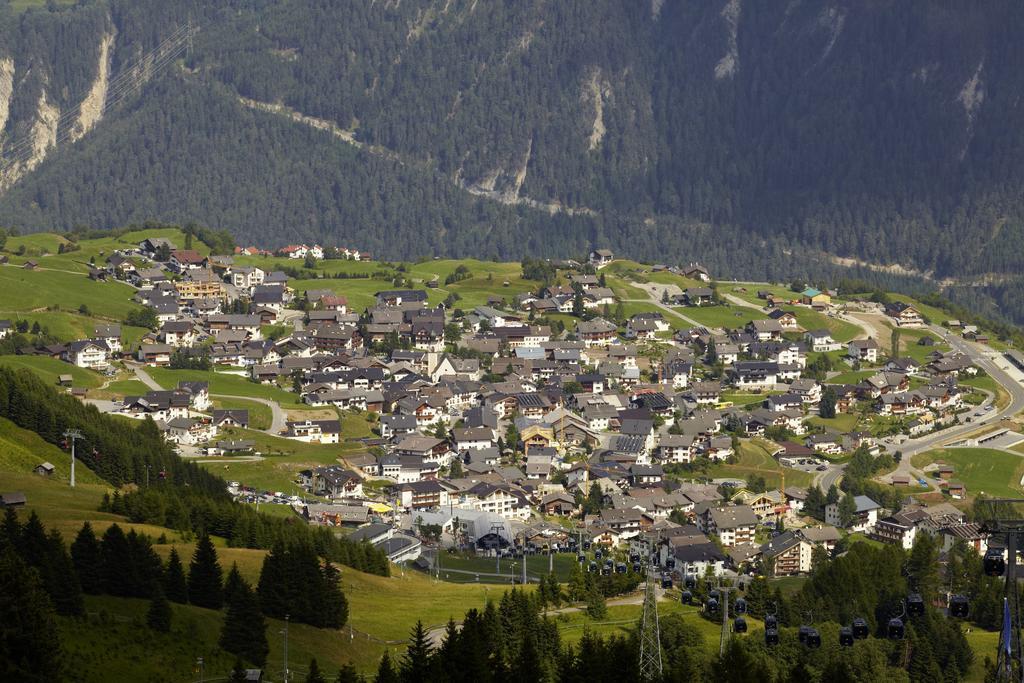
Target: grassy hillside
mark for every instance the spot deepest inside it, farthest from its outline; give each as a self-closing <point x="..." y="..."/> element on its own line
<point x="50" y="369"/>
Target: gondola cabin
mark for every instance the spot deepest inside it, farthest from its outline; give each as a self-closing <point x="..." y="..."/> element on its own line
<point x="771" y="636"/>
<point x="687" y="597"/>
<point x="895" y="629"/>
<point x="739" y="625"/>
<point x="860" y="628"/>
<point x="741" y="606"/>
<point x="915" y="605"/>
<point x="959" y="606"/>
<point x="711" y="605"/>
<point x="846" y="636"/>
<point x="994" y="564"/>
<point x="813" y="640"/>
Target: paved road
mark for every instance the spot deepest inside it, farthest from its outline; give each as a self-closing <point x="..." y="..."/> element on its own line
<point x="983" y="357"/>
<point x="278" y="417"/>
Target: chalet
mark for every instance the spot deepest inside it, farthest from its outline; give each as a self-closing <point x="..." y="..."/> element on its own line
<point x="863" y="350"/>
<point x="788" y="554"/>
<point x="159" y="405"/>
<point x="599" y="258"/>
<point x="865" y="517"/>
<point x="423" y="495"/>
<point x="189" y="431"/>
<point x="155" y="354"/>
<point x="697" y="296"/>
<point x="754" y="374"/>
<point x="903" y="314"/>
<point x="821" y="341"/>
<point x="696" y="271"/>
<point x="178" y="333"/>
<point x="186" y="259"/>
<point x="559" y="503"/>
<point x="44" y="469"/>
<point x="764" y="330"/>
<point x="677" y="448"/>
<point x="247" y="277"/>
<point x="825" y="443"/>
<point x="334" y="481"/>
<point x="398" y="297"/>
<point x="427" y="448"/>
<point x="87" y="353"/>
<point x="467" y="438"/>
<point x="153" y="245"/>
<point x="786" y="319"/>
<point x="734" y="525"/>
<point x="314" y="431"/>
<point x="596" y="332"/>
<point x="109" y="334"/>
<point x="231" y="418"/>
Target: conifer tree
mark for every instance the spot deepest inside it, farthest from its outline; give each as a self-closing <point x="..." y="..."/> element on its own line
<point x="30" y="647"/>
<point x="205" y="587"/>
<point x="60" y="579"/>
<point x="386" y="671"/>
<point x="314" y="675"/>
<point x="158" y="617"/>
<point x="175" y="583"/>
<point x="11" y="530"/>
<point x="88" y="560"/>
<point x="348" y="674"/>
<point x="233" y="583"/>
<point x="245" y="631"/>
<point x="415" y="666"/>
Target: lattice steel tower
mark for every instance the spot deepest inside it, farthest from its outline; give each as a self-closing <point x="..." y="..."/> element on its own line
<point x="650" y="631"/>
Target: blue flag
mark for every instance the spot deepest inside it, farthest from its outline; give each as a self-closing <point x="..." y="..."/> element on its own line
<point x="1006" y="627"/>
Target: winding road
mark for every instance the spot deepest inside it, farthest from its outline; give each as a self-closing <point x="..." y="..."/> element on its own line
<point x="278" y="417"/>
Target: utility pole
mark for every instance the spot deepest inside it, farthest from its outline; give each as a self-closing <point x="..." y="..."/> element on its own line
<point x="199" y="661"/>
<point x="72" y="434"/>
<point x="650" y="631"/>
<point x="724" y="639"/>
<point x="496" y="529"/>
<point x="286" y="648"/>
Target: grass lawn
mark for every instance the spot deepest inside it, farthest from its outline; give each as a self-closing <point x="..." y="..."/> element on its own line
<point x="984" y="644"/>
<point x="987" y="383"/>
<point x="358" y="291"/>
<point x="49" y="369"/>
<point x="720" y="316"/>
<point x="851" y="376"/>
<point x="26" y="290"/>
<point x="996" y="473"/>
<point x="754" y="459"/>
<point x="222" y="383"/>
<point x="842" y="422"/>
<point x="536" y="565"/>
<point x="259" y="415"/>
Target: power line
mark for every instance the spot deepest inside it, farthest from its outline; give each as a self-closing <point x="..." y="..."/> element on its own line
<point x="131" y="77"/>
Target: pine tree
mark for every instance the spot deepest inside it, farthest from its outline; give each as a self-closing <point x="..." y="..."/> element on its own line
<point x="116" y="561"/>
<point x="88" y="559"/>
<point x="334" y="603"/>
<point x="348" y="674"/>
<point x="245" y="630"/>
<point x="204" y="576"/>
<point x="415" y="666"/>
<point x="29" y="640"/>
<point x="60" y="579"/>
<point x="233" y="583"/>
<point x="386" y="671"/>
<point x="11" y="528"/>
<point x="158" y="617"/>
<point x="175" y="583"/>
<point x="314" y="675"/>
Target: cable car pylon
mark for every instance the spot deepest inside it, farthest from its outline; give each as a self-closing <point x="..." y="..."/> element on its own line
<point x="650" y="631"/>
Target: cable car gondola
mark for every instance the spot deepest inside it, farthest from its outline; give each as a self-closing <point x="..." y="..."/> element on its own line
<point x="609" y="562"/>
<point x="592" y="567"/>
<point x="813" y="640"/>
<point x="690" y="582"/>
<point x="581" y="558"/>
<point x="860" y="628"/>
<point x="959" y="606"/>
<point x="771" y="621"/>
<point x="670" y="563"/>
<point x="606" y="571"/>
<point x="687" y="597"/>
<point x="666" y="581"/>
<point x="634" y="557"/>
<point x="802" y="634"/>
<point x="895" y="629"/>
<point x="771" y="636"/>
<point x="846" y="636"/>
<point x="621" y="568"/>
<point x="586" y="545"/>
<point x="739" y="625"/>
<point x="741" y="606"/>
<point x="597" y="554"/>
<point x="636" y="567"/>
<point x="915" y="605"/>
<point x="711" y="605"/>
<point x="994" y="564"/>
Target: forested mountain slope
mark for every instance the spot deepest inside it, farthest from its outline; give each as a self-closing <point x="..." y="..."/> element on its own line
<point x="763" y="137"/>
